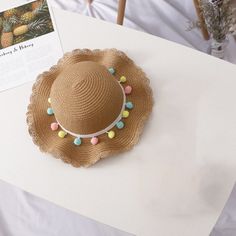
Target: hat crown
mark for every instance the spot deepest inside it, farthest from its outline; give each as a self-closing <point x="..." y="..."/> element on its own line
<point x="86" y="98"/>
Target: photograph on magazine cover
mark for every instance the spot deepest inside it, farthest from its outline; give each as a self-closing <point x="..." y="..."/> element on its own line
<point x="25" y="22"/>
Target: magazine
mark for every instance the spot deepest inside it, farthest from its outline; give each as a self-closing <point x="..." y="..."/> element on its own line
<point x="29" y="42"/>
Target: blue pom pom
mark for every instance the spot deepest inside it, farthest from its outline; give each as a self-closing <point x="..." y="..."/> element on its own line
<point x="120" y="125"/>
<point x="77" y="141"/>
<point x="50" y="111"/>
<point x="129" y="105"/>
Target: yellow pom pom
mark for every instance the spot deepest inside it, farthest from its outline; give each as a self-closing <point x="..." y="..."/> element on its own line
<point x="122" y="79"/>
<point x="62" y="134"/>
<point x="125" y="114"/>
<point x="49" y="100"/>
<point x="111" y="134"/>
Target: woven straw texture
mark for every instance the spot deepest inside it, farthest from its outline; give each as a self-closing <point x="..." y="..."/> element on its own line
<point x="86" y="98"/>
<point x="51" y="83"/>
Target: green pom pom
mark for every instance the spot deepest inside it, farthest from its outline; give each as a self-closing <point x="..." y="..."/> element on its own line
<point x="112" y="70"/>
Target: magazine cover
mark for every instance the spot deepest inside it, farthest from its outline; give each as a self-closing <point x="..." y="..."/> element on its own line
<point x="29" y="42"/>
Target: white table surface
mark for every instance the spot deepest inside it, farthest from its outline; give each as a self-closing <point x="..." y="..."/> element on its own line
<point x="177" y="179"/>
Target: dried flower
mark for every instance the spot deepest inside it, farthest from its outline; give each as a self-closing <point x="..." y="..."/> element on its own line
<point x="219" y="17"/>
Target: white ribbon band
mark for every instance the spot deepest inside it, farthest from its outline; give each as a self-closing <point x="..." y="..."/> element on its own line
<point x="101" y="131"/>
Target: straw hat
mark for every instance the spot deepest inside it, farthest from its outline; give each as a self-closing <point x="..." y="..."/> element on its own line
<point x="92" y="104"/>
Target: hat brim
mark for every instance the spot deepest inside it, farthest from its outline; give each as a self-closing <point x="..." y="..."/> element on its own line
<point x="88" y="154"/>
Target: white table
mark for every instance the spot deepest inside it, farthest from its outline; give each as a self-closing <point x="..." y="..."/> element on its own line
<point x="177" y="179"/>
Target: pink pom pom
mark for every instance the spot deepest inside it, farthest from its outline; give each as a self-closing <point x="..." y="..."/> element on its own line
<point x="94" y="140"/>
<point x="128" y="89"/>
<point x="54" y="126"/>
